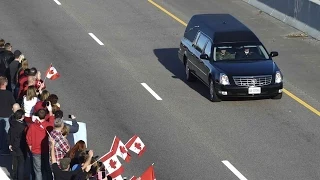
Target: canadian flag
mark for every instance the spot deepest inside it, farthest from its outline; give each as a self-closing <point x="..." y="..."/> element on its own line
<point x="112" y="164"/>
<point x="148" y="174"/>
<point x="52" y="73"/>
<point x="136" y="145"/>
<point x="120" y="149"/>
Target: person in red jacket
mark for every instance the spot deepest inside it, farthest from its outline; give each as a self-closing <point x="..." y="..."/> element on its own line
<point x="37" y="140"/>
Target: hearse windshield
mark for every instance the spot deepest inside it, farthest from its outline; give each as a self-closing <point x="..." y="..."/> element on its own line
<point x="240" y="52"/>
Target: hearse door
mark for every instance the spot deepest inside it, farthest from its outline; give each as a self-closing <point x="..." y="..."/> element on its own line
<point x="200" y="63"/>
<point x="204" y="64"/>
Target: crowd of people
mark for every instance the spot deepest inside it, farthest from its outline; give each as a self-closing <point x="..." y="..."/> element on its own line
<point x="33" y="126"/>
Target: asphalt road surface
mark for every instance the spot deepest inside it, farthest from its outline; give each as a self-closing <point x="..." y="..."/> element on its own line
<point x="187" y="136"/>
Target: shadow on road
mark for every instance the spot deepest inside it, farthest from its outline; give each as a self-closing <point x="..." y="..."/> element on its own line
<point x="168" y="57"/>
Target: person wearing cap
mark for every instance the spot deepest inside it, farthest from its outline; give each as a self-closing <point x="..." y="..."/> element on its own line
<point x="62" y="145"/>
<point x="17" y="145"/>
<point x="13" y="69"/>
<point x="63" y="172"/>
<point x="37" y="140"/>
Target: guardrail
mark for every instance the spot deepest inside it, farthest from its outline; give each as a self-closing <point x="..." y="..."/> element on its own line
<point x="302" y="14"/>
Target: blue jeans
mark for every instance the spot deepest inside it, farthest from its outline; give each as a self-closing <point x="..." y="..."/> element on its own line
<point x="4" y="128"/>
<point x="14" y="90"/>
<point x="41" y="167"/>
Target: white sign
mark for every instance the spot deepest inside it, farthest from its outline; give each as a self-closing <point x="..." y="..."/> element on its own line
<point x="81" y="134"/>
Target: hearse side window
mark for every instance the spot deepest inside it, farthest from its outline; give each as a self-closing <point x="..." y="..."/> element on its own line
<point x="201" y="42"/>
<point x="191" y="34"/>
<point x="208" y="48"/>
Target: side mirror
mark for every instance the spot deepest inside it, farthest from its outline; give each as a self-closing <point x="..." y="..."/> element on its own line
<point x="204" y="56"/>
<point x="274" y="54"/>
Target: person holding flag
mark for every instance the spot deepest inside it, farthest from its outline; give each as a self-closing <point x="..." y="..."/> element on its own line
<point x="37" y="140"/>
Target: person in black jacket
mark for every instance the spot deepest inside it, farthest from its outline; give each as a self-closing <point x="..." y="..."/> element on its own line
<point x="18" y="145"/>
<point x="6" y="57"/>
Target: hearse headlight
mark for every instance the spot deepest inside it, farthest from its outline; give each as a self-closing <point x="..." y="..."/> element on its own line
<point x="224" y="80"/>
<point x="278" y="78"/>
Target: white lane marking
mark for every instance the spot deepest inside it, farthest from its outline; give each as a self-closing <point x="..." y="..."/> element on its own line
<point x="96" y="39"/>
<point x="234" y="170"/>
<point x="151" y="91"/>
<point x="57" y="2"/>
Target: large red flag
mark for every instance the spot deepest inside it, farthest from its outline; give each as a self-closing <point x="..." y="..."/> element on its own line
<point x="148" y="174"/>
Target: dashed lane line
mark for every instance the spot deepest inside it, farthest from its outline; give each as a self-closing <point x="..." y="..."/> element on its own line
<point x="96" y="39"/>
<point x="234" y="170"/>
<point x="151" y="91"/>
<point x="57" y="2"/>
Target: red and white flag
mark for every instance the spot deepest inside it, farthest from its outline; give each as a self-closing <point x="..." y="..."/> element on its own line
<point x="136" y="145"/>
<point x="148" y="174"/>
<point x="52" y="73"/>
<point x="120" y="149"/>
<point x="112" y="164"/>
<point x="133" y="178"/>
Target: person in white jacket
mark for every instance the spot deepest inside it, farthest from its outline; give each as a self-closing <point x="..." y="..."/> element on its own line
<point x="29" y="101"/>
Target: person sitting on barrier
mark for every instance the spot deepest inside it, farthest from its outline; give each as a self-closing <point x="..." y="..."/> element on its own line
<point x="73" y="128"/>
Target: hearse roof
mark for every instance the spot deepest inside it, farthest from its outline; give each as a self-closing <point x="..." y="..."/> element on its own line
<point x="223" y="28"/>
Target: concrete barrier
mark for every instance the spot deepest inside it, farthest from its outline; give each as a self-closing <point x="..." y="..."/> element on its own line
<point x="3" y="175"/>
<point x="304" y="15"/>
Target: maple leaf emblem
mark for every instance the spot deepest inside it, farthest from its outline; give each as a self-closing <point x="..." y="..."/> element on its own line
<point x="137" y="145"/>
<point x="123" y="150"/>
<point x="51" y="72"/>
<point x="112" y="164"/>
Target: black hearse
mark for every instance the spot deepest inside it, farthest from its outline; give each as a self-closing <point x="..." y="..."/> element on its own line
<point x="229" y="58"/>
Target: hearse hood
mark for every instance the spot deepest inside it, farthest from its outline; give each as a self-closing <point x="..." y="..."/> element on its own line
<point x="247" y="68"/>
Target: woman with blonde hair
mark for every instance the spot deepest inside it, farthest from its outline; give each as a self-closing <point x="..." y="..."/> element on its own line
<point x="29" y="101"/>
<point x="24" y="66"/>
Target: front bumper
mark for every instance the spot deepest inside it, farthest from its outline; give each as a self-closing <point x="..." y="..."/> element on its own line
<point x="239" y="91"/>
